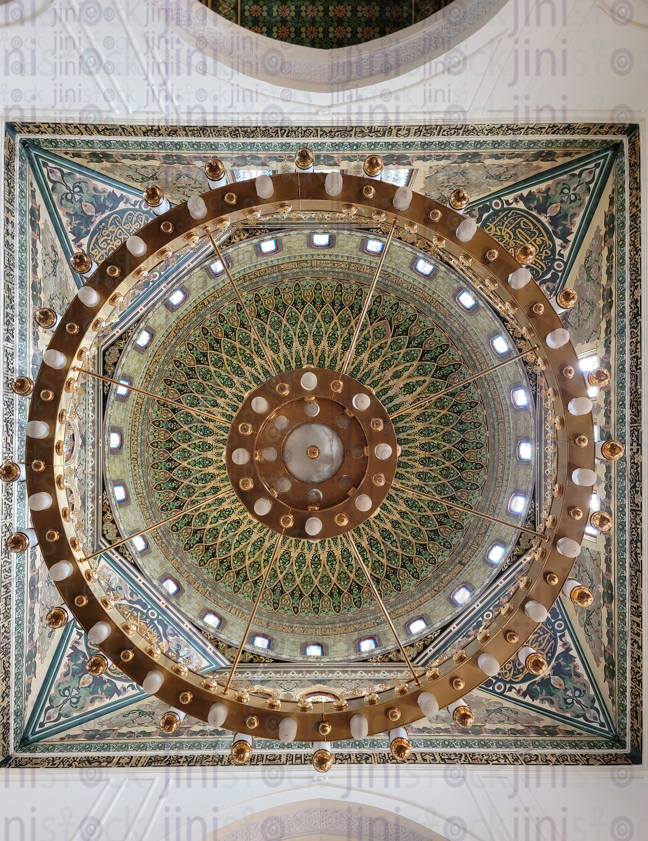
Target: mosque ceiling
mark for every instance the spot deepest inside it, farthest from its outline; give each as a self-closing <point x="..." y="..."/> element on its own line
<point x="325" y="26"/>
<point x="574" y="192"/>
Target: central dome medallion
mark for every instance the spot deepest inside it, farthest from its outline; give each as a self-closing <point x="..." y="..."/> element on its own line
<point x="311" y="453"/>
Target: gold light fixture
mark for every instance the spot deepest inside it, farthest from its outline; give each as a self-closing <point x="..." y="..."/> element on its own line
<point x="334" y="391"/>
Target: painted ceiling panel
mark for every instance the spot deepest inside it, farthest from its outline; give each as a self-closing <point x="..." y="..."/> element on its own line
<point x="568" y="194"/>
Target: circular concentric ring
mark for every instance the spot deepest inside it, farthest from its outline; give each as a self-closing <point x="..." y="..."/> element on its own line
<point x="489" y="267"/>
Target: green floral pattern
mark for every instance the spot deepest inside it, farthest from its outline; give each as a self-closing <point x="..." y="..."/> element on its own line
<point x="402" y="355"/>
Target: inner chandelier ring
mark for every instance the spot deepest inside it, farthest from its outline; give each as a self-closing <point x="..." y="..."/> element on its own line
<point x="311" y="453"/>
<point x="464" y="247"/>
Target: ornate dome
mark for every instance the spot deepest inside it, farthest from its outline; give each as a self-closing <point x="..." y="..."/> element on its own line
<point x="416" y="339"/>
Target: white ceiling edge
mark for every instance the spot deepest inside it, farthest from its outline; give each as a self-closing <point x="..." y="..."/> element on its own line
<point x="86" y="62"/>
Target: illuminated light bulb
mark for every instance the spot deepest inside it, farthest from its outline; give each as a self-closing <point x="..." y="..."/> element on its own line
<point x="557" y="338"/>
<point x="568" y="547"/>
<point x="519" y="278"/>
<point x="584" y="477"/>
<point x="55" y="359"/>
<point x="313" y="526"/>
<point x="99" y="632"/>
<point x="153" y="681"/>
<point x="363" y="502"/>
<point x="217" y="715"/>
<point x="60" y="570"/>
<point x="359" y="726"/>
<point x="579" y="406"/>
<point x="262" y="507"/>
<point x="488" y="664"/>
<point x="88" y="296"/>
<point x="288" y="730"/>
<point x="536" y="611"/>
<point x="40" y="501"/>
<point x="197" y="207"/>
<point x="402" y="198"/>
<point x="37" y="429"/>
<point x="136" y="246"/>
<point x="428" y="704"/>
<point x="466" y="230"/>
<point x="264" y="187"/>
<point x="333" y="184"/>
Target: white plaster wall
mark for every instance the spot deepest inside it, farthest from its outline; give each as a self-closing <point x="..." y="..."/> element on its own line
<point x="131" y="61"/>
<point x="507" y="804"/>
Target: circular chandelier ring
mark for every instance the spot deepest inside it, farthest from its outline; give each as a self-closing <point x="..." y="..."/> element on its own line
<point x="482" y="259"/>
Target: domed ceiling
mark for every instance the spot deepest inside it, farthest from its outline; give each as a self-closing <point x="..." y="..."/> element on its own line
<point x="188" y="586"/>
<point x="417" y="338"/>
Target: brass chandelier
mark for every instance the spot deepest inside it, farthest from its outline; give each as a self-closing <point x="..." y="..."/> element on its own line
<point x="258" y="444"/>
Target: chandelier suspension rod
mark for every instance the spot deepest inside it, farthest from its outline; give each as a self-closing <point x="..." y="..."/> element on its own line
<point x="176" y="515"/>
<point x="469" y="511"/>
<point x="427" y="400"/>
<point x="257" y="601"/>
<point x="239" y="297"/>
<point x="358" y="557"/>
<point x="154" y="396"/>
<point x="365" y="308"/>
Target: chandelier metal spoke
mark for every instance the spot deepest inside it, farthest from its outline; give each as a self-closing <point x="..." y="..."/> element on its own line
<point x="174" y="516"/>
<point x="469" y="510"/>
<point x="257" y="601"/>
<point x="363" y="566"/>
<point x="143" y="391"/>
<point x="427" y="400"/>
<point x="239" y="297"/>
<point x="365" y="308"/>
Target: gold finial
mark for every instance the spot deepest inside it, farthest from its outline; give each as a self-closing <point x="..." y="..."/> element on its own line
<point x="393" y="714"/>
<point x="287" y="521"/>
<point x="153" y="195"/>
<point x="373" y="166"/>
<point x="341" y="519"/>
<point x="304" y="159"/>
<point x="246" y="483"/>
<point x="22" y="386"/>
<point x="169" y="722"/>
<point x="323" y="760"/>
<point x="567" y="299"/>
<point x="81" y="263"/>
<point x="97" y="665"/>
<point x="599" y="377"/>
<point x="9" y="471"/>
<point x="214" y="169"/>
<point x="601" y="521"/>
<point x="612" y="450"/>
<point x="537" y="308"/>
<point x="459" y="198"/>
<point x="551" y="578"/>
<point x="252" y="722"/>
<point x="511" y="637"/>
<point x="45" y="317"/>
<point x="17" y="542"/>
<point x="57" y="617"/>
<point x="401" y="748"/>
<point x="463" y="716"/>
<point x="525" y="254"/>
<point x="241" y="752"/>
<point x="581" y="596"/>
<point x="324" y="728"/>
<point x="282" y="389"/>
<point x="536" y="663"/>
